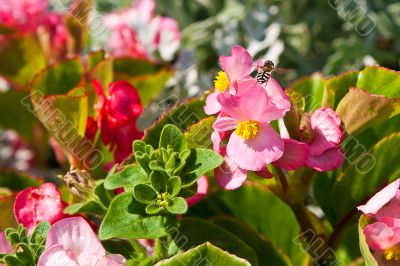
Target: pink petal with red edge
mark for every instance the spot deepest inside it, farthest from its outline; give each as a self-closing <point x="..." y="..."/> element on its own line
<point x="279" y="102"/>
<point x="327" y="131"/>
<point x="329" y="160"/>
<point x="381" y="198"/>
<point x="379" y="236"/>
<point x="253" y="154"/>
<point x="35" y="205"/>
<point x="224" y="124"/>
<point x="5" y="247"/>
<point x="212" y="105"/>
<point x="202" y="189"/>
<point x="238" y="64"/>
<point x="229" y="175"/>
<point x="294" y="155"/>
<point x="249" y="105"/>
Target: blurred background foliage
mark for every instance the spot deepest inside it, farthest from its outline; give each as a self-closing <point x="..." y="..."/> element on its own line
<point x="303" y="36"/>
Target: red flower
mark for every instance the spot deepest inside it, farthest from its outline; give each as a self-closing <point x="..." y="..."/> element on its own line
<point x="117" y="115"/>
<point x="37" y="204"/>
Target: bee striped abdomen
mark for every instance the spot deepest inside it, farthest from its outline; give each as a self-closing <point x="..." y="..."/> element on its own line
<point x="263" y="77"/>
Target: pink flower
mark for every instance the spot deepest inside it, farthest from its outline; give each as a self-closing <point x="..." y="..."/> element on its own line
<point x="72" y="241"/>
<point x="117" y="114"/>
<point x="23" y="14"/>
<point x="254" y="143"/>
<point x="383" y="235"/>
<point x="137" y="32"/>
<point x="235" y="67"/>
<point x="202" y="189"/>
<point x="123" y="40"/>
<point x="229" y="175"/>
<point x="34" y="205"/>
<point x="294" y="155"/>
<point x="324" y="147"/>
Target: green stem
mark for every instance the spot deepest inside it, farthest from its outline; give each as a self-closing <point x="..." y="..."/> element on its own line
<point x="161" y="247"/>
<point x="138" y="247"/>
<point x="283" y="180"/>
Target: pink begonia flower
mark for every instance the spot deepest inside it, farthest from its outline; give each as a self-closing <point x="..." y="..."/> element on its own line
<point x="254" y="143"/>
<point x="202" y="189"/>
<point x="324" y="149"/>
<point x="229" y="175"/>
<point x="137" y="32"/>
<point x="383" y="235"/>
<point x="235" y="67"/>
<point x="72" y="241"/>
<point x="294" y="155"/>
<point x="22" y="14"/>
<point x="117" y="115"/>
<point x="37" y="204"/>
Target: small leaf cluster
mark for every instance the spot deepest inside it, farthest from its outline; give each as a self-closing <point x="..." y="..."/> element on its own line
<point x="27" y="249"/>
<point x="156" y="185"/>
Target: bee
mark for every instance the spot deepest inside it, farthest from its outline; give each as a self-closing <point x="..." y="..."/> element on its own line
<point x="264" y="72"/>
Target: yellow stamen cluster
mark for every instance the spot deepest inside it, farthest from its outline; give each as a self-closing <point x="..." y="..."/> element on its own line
<point x="247" y="129"/>
<point x="221" y="82"/>
<point x="392" y="253"/>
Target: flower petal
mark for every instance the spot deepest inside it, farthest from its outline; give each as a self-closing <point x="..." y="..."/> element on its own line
<point x="294" y="155"/>
<point x="229" y="175"/>
<point x="381" y="198"/>
<point x="5" y="247"/>
<point x="329" y="160"/>
<point x="380" y="236"/>
<point x="224" y="124"/>
<point x="202" y="189"/>
<point x="57" y="256"/>
<point x="250" y="105"/>
<point x="279" y="102"/>
<point x="237" y="65"/>
<point x="327" y="131"/>
<point x="76" y="235"/>
<point x="212" y="105"/>
<point x="253" y="154"/>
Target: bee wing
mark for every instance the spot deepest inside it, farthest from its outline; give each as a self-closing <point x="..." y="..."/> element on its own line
<point x="280" y="70"/>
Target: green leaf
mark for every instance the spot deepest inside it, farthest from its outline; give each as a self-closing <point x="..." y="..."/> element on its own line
<point x="360" y="110"/>
<point x="39" y="235"/>
<point x="340" y="85"/>
<point x="312" y="89"/>
<point x="365" y="176"/>
<point x="127" y="218"/>
<point x="205" y="254"/>
<point x="128" y="178"/>
<point x="90" y="206"/>
<point x="159" y="180"/>
<point x="144" y="193"/>
<point x="178" y="206"/>
<point x="183" y="116"/>
<point x="366" y="253"/>
<point x="197" y="231"/>
<point x="15" y="113"/>
<point x="139" y="145"/>
<point x="172" y="136"/>
<point x="21" y="57"/>
<point x="119" y="246"/>
<point x="262" y="210"/>
<point x="13" y="261"/>
<point x="199" y="134"/>
<point x="174" y="186"/>
<point x="16" y="181"/>
<point x="153" y="209"/>
<point x="24" y="254"/>
<point x="199" y="162"/>
<point x="267" y="252"/>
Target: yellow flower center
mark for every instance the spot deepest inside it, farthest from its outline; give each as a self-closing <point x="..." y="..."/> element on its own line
<point x="221" y="82"/>
<point x="392" y="253"/>
<point x="247" y="129"/>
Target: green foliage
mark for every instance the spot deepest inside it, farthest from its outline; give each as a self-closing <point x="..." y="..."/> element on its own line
<point x="369" y="259"/>
<point x="27" y="249"/>
<point x="155" y="186"/>
<point x="205" y="254"/>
